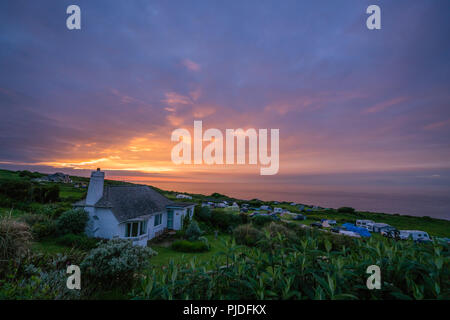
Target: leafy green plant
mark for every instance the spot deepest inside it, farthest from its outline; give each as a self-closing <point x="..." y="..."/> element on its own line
<point x="301" y="270"/>
<point x="72" y="221"/>
<point x="115" y="263"/>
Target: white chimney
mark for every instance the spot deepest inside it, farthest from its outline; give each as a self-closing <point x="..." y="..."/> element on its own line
<point x="95" y="190"/>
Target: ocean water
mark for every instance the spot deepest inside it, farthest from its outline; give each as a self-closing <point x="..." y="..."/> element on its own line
<point x="426" y="203"/>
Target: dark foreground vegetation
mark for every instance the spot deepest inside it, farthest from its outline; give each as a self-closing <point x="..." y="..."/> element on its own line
<point x="219" y="255"/>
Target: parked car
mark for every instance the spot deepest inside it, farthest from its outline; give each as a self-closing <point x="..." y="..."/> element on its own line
<point x="316" y="225"/>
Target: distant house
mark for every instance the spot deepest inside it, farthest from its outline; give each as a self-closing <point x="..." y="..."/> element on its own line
<point x="133" y="212"/>
<point x="183" y="196"/>
<point x="278" y="210"/>
<point x="301" y="208"/>
<point x="293" y="204"/>
<point x="264" y="207"/>
<point x="56" y="177"/>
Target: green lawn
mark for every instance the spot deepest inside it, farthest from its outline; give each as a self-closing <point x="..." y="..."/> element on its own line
<point x="165" y="254"/>
<point x="49" y="246"/>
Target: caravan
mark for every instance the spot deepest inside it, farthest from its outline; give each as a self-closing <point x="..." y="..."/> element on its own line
<point x="364" y="223"/>
<point x="415" y="235"/>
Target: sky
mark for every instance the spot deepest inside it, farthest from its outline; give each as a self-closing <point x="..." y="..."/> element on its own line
<point x="356" y="108"/>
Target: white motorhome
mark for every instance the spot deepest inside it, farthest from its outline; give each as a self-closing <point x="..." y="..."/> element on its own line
<point x="415" y="235"/>
<point x="364" y="223"/>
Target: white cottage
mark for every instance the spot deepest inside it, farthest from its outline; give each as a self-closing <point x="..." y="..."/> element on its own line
<point x="133" y="212"/>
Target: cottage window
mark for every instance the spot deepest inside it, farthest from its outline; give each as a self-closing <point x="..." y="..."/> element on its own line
<point x="135" y="229"/>
<point x="158" y="219"/>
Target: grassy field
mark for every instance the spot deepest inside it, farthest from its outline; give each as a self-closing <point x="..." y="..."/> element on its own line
<point x="49" y="246"/>
<point x="165" y="254"/>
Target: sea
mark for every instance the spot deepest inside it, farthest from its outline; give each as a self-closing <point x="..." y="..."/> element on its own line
<point x="426" y="203"/>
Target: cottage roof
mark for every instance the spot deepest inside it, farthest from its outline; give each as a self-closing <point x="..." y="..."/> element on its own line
<point x="129" y="202"/>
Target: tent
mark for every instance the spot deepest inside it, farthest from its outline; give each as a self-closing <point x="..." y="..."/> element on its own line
<point x="362" y="231"/>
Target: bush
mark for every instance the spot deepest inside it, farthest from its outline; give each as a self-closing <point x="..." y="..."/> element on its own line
<point x="202" y="214"/>
<point x="346" y="210"/>
<point x="275" y="228"/>
<point x="225" y="220"/>
<point x="115" y="263"/>
<point x="190" y="246"/>
<point x="15" y="238"/>
<point x="45" y="194"/>
<point x="247" y="235"/>
<point x="72" y="221"/>
<point x="31" y="219"/>
<point x="44" y="229"/>
<point x="193" y="232"/>
<point x="54" y="210"/>
<point x="77" y="241"/>
<point x="17" y="190"/>
<point x="261" y="220"/>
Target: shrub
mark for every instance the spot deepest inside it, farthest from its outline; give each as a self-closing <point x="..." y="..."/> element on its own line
<point x="45" y="194"/>
<point x="31" y="219"/>
<point x="17" y="190"/>
<point x="115" y="263"/>
<point x="190" y="246"/>
<point x="77" y="241"/>
<point x="225" y="220"/>
<point x="193" y="232"/>
<point x="54" y="210"/>
<point x="72" y="221"/>
<point x="346" y="210"/>
<point x="44" y="229"/>
<point x="15" y="238"/>
<point x="202" y="214"/>
<point x="261" y="220"/>
<point x="275" y="228"/>
<point x="247" y="235"/>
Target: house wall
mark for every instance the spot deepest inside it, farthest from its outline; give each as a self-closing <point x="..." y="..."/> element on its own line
<point x="152" y="229"/>
<point x="103" y="223"/>
<point x="178" y="216"/>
